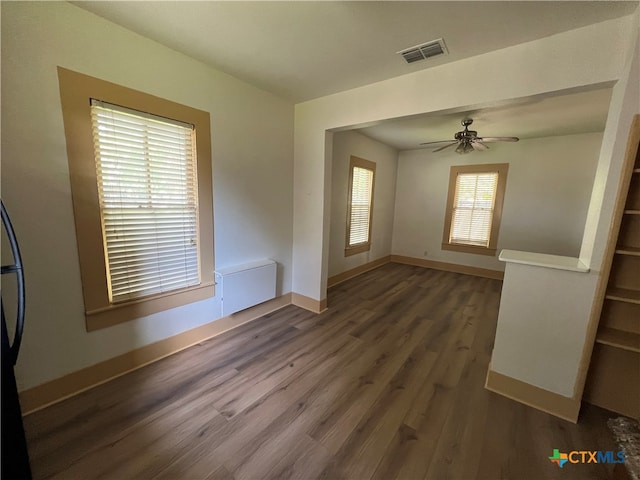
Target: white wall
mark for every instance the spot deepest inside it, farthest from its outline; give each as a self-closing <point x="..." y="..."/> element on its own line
<point x="252" y="135"/>
<point x="547" y="194"/>
<point x="541" y="326"/>
<point x="571" y="60"/>
<point x="542" y="335"/>
<point x="624" y="104"/>
<point x="346" y="144"/>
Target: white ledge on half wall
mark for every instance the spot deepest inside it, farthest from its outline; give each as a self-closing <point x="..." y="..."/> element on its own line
<point x="545" y="260"/>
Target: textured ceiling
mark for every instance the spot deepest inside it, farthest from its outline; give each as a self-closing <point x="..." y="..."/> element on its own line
<point x="302" y="50"/>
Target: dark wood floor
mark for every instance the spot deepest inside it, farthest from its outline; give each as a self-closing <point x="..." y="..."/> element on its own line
<point x="388" y="383"/>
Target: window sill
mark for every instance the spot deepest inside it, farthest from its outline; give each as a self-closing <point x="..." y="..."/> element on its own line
<point x="455" y="247"/>
<point x="124" y="312"/>
<point x="363" y="247"/>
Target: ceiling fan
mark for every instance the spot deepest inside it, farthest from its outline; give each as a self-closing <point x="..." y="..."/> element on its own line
<point x="468" y="140"/>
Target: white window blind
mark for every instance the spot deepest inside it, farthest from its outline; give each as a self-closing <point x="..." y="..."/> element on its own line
<point x="361" y="188"/>
<point x="147" y="182"/>
<point x="473" y="208"/>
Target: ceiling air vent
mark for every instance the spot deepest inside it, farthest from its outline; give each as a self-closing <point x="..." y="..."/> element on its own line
<point x="424" y="51"/>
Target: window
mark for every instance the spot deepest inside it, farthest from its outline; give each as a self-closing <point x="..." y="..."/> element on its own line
<point x="360" y="205"/>
<point x="140" y="170"/>
<point x="146" y="173"/>
<point x="474" y="208"/>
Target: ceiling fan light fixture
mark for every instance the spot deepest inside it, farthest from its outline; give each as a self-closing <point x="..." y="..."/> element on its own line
<point x="479" y="146"/>
<point x="468" y="140"/>
<point x="464" y="147"/>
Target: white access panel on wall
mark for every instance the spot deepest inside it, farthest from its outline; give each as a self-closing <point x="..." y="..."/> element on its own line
<point x="246" y="285"/>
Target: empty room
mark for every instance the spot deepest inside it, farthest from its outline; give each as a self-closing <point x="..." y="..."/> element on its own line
<point x="320" y="240"/>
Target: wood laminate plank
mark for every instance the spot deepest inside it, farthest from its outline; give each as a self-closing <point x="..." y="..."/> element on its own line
<point x="334" y="428"/>
<point x="431" y="408"/>
<point x="276" y="411"/>
<point x="387" y="383"/>
<point x="359" y="456"/>
<point x="267" y="372"/>
<point x="455" y="455"/>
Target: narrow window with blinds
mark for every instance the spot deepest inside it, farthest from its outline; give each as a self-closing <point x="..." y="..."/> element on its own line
<point x="360" y="205"/>
<point x="474" y="208"/>
<point x="148" y="194"/>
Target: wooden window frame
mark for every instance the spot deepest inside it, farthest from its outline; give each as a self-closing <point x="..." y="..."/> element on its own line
<point x="364" y="246"/>
<point x="76" y="91"/>
<point x="502" y="169"/>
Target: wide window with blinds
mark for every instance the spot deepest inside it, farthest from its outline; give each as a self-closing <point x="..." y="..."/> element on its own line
<point x="141" y="182"/>
<point x="474" y="208"/>
<point x="360" y="205"/>
<point x="147" y="185"/>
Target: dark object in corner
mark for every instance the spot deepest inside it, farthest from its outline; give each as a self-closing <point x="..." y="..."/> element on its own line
<point x="15" y="457"/>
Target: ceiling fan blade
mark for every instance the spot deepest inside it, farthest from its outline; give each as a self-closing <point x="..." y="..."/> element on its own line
<point x="481" y="147"/>
<point x="498" y="139"/>
<point x="441" y="141"/>
<point x="442" y="148"/>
